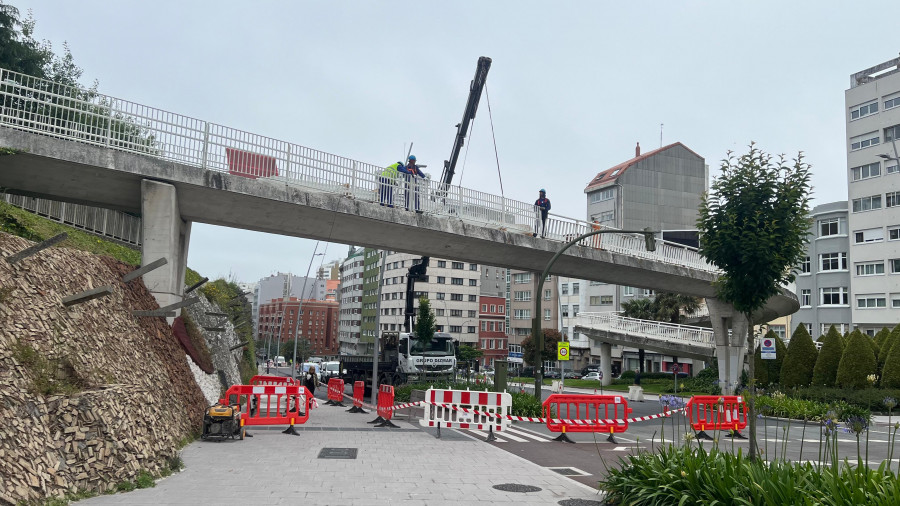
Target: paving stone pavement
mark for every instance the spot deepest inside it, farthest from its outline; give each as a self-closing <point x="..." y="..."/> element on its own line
<point x="404" y="466"/>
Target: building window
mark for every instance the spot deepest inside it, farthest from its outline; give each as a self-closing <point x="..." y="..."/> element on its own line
<point x="606" y="300"/>
<point x="870" y="302"/>
<point x="865" y="171"/>
<point x="441" y="280"/>
<point x="893" y="233"/>
<point x="805" y="297"/>
<point x="607" y="216"/>
<point x="836" y="296"/>
<point x="484" y="308"/>
<point x="442" y="263"/>
<point x="594" y="300"/>
<point x="456" y="281"/>
<point x="457" y="265"/>
<point x="892" y="199"/>
<point x="863" y="110"/>
<point x="891" y="101"/>
<point x="455" y="329"/>
<point x="564" y="289"/>
<point x="501" y="309"/>
<point x="830" y="227"/>
<point x="564" y="309"/>
<point x="473" y="282"/>
<point x="805" y="267"/>
<point x="547" y="314"/>
<point x="895" y="300"/>
<point x="473" y="298"/>
<point x="778" y="330"/>
<point x="499" y="326"/>
<point x="891" y="169"/>
<point x="576" y="288"/>
<point x="440" y="296"/>
<point x="472" y="313"/>
<point x="864" y="141"/>
<point x="523" y="296"/>
<point x="437" y="312"/>
<point x="547" y="294"/>
<point x="456" y="313"/>
<point x="869" y="203"/>
<point x="470" y="329"/>
<point x="628" y="291"/>
<point x="895" y="265"/>
<point x="484" y="326"/>
<point x="575" y="309"/>
<point x="523" y="277"/>
<point x="870" y="269"/>
<point x="891" y="132"/>
<point x="869" y="235"/>
<point x="456" y="296"/>
<point x="833" y="262"/>
<point x="605" y="194"/>
<point x="522" y="314"/>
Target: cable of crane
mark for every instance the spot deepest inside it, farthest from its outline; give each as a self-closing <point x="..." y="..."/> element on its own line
<point x="466" y="156"/>
<point x="494" y="137"/>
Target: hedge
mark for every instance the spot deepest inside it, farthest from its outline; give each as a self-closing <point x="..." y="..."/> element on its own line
<point x="825" y="371"/>
<point x="890" y="377"/>
<point x="857" y="362"/>
<point x="800" y="359"/>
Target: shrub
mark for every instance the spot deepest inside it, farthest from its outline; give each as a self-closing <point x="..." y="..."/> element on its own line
<point x="768" y="371"/>
<point x="886" y="348"/>
<point x="145" y="480"/>
<point x="890" y="377"/>
<point x="526" y="405"/>
<point x="857" y="362"/>
<point x="825" y="371"/>
<point x="881" y="337"/>
<point x="800" y="359"/>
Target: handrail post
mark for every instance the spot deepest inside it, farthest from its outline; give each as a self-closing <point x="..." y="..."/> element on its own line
<point x="205" y="145"/>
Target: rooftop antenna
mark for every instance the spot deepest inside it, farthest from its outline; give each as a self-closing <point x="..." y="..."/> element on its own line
<point x="660" y="134"/>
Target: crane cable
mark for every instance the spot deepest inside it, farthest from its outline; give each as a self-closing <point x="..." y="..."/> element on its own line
<point x="494" y="137"/>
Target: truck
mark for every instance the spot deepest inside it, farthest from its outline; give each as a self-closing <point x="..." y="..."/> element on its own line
<point x="403" y="358"/>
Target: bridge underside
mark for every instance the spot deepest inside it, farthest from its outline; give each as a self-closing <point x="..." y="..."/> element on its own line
<point x="646" y="343"/>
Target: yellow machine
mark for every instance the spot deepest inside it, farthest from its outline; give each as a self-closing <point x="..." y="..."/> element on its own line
<point x="222" y="422"/>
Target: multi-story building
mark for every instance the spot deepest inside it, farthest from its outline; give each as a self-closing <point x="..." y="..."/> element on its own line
<point x="573" y="300"/>
<point x="350" y="294"/>
<point x="872" y="109"/>
<point x="251" y="291"/>
<point x="371" y="270"/>
<point x="492" y="328"/>
<point x="283" y="320"/>
<point x="523" y="286"/>
<point x="451" y="287"/>
<point x="823" y="278"/>
<point x="286" y="285"/>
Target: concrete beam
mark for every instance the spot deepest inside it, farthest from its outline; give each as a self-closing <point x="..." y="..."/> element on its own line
<point x="140" y="271"/>
<point x="87" y="295"/>
<point x="164" y="235"/>
<point x="179" y="305"/>
<point x="31" y="250"/>
<point x="196" y="285"/>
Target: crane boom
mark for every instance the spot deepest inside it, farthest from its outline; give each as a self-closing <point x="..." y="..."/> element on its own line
<point x="481" y="71"/>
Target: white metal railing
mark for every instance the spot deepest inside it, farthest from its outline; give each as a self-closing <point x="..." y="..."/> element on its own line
<point x="614" y="322"/>
<point x="53" y="109"/>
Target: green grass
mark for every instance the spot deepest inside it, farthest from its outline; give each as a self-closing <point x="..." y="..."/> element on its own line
<point x="22" y="223"/>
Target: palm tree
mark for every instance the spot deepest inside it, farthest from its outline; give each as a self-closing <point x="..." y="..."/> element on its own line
<point x="641" y="309"/>
<point x="672" y="307"/>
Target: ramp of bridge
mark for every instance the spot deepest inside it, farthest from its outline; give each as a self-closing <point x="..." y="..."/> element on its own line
<point x="284" y="188"/>
<point x="666" y="338"/>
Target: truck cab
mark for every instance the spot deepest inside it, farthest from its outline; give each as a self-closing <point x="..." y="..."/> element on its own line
<point x="438" y="357"/>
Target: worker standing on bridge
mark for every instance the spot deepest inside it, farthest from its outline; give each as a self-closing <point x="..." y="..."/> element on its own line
<point x="542" y="206"/>
<point x="387" y="182"/>
<point x="413" y="175"/>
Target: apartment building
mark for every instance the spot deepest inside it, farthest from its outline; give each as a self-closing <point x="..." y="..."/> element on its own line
<point x="872" y="109"/>
<point x="371" y="268"/>
<point x="283" y="320"/>
<point x="350" y="294"/>
<point x="523" y="286"/>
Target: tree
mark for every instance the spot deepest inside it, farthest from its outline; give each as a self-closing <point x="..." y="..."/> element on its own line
<point x="825" y="371"/>
<point x="304" y="349"/>
<point x="857" y="362"/>
<point x="892" y="339"/>
<point x="890" y="375"/>
<point x="469" y="354"/>
<point x="882" y="336"/>
<point x="551" y="337"/>
<point x="425" y="322"/>
<point x="641" y="308"/>
<point x="753" y="225"/>
<point x="671" y="307"/>
<point x="800" y="360"/>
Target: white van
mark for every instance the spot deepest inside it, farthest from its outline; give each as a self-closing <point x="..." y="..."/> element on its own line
<point x="279" y="361"/>
<point x="329" y="370"/>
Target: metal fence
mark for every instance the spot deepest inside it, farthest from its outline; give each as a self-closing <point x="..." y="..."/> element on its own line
<point x="107" y="223"/>
<point x="53" y="109"/>
<point x="613" y="322"/>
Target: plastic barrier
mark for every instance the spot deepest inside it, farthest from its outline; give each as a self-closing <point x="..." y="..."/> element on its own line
<point x="385" y="406"/>
<point x="335" y="392"/>
<point x="717" y="412"/>
<point x="359" y="391"/>
<point x="268" y="379"/>
<point x="463" y="409"/>
<point x="270" y="404"/>
<point x="586" y="413"/>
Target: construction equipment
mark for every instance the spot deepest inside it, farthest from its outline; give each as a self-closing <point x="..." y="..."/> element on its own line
<point x="462" y="128"/>
<point x="221" y="422"/>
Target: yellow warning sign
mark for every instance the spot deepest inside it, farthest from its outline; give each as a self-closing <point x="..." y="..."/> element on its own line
<point x="562" y="351"/>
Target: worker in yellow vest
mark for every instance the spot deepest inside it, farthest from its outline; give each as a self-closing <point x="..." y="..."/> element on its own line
<point x="387" y="182"/>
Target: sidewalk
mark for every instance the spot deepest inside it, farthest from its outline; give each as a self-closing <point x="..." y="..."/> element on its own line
<point x="403" y="466"/>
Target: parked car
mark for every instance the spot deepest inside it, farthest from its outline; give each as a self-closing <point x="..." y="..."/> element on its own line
<point x="552" y="374"/>
<point x="592" y="376"/>
<point x="589" y="369"/>
<point x="572" y="375"/>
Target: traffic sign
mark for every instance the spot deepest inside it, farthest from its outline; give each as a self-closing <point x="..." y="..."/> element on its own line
<point x="562" y="351"/>
<point x="768" y="348"/>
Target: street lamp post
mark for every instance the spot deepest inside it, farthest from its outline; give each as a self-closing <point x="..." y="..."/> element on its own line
<point x="536" y="333"/>
<point x="300" y="309"/>
<point x="896" y="156"/>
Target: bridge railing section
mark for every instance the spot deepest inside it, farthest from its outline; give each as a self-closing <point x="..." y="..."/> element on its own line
<point x="659" y="330"/>
<point x="83" y="115"/>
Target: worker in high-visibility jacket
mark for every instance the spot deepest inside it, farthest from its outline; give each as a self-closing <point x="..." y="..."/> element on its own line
<point x="387" y="181"/>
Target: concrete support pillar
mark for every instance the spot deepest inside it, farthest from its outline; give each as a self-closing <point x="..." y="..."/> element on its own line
<point x="164" y="235"/>
<point x="730" y="349"/>
<point x="606" y="363"/>
<point x="697" y="366"/>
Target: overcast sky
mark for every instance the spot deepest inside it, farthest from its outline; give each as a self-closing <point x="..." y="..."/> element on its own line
<point x="573" y="85"/>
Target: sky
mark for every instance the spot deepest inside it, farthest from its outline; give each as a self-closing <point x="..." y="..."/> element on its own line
<point x="572" y="87"/>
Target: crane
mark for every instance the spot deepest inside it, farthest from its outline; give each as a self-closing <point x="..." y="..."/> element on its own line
<point x="462" y="128"/>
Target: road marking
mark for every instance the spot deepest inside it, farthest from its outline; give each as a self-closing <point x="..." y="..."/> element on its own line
<point x="537" y="437"/>
<point x="484" y="435"/>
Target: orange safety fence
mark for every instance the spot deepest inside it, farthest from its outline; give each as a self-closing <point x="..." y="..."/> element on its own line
<point x="335" y="392"/>
<point x="586" y="413"/>
<point x="268" y="379"/>
<point x="385" y="406"/>
<point x="717" y="412"/>
<point x="271" y="404"/>
<point x="359" y="391"/>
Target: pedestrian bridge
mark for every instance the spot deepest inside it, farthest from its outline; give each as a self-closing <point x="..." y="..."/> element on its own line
<point x="666" y="338"/>
<point x="77" y="146"/>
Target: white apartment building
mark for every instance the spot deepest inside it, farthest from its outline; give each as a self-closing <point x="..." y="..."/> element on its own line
<point x="451" y="287"/>
<point x="872" y="108"/>
<point x="350" y="293"/>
